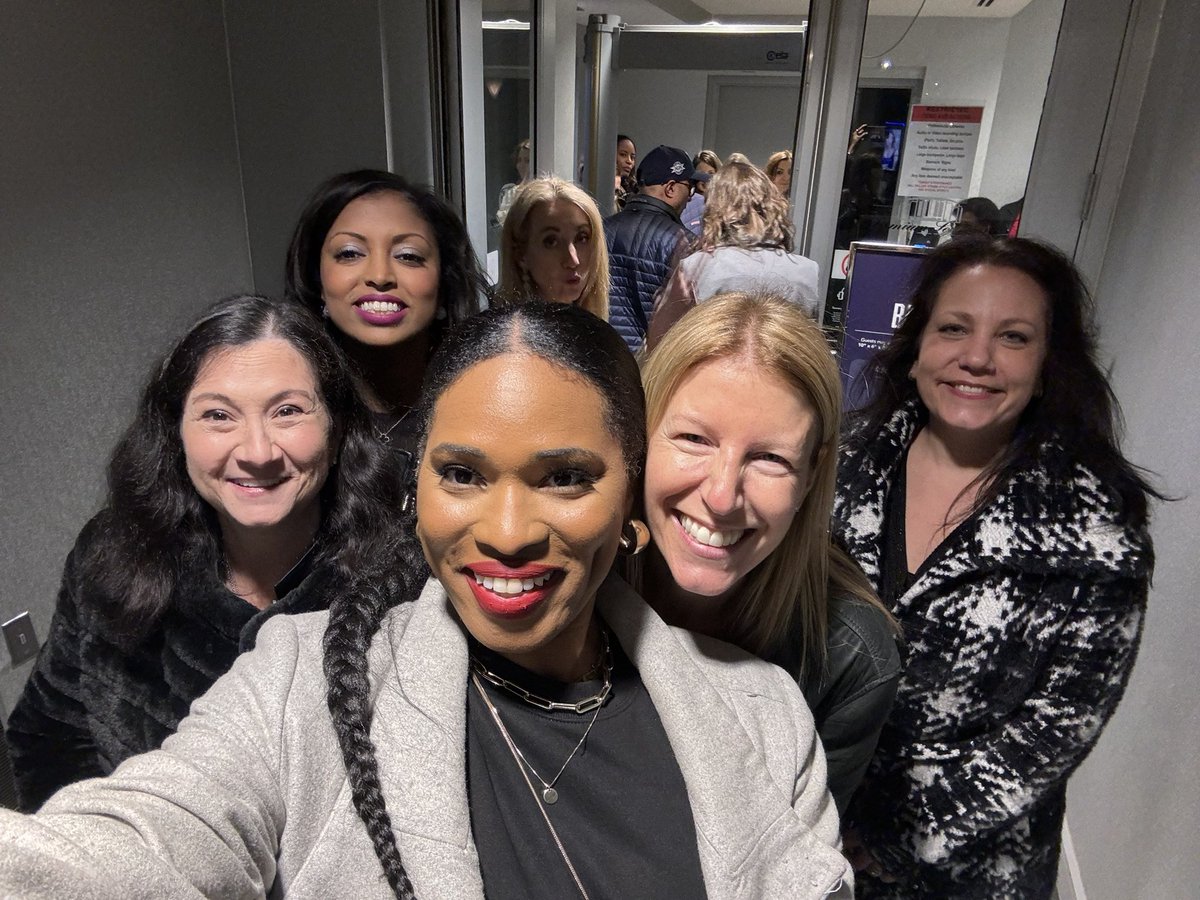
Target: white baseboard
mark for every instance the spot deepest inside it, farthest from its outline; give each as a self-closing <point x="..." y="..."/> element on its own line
<point x="1070" y="880"/>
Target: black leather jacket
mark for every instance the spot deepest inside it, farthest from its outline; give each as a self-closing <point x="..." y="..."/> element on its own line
<point x="852" y="695"/>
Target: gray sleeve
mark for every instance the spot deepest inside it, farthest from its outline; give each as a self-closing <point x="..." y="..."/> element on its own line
<point x="201" y="816"/>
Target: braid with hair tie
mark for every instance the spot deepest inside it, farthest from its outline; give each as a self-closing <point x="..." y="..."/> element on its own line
<point x="353" y="621"/>
<point x="354" y="618"/>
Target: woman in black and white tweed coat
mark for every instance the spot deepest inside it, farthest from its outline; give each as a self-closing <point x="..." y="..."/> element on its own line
<point x="984" y="494"/>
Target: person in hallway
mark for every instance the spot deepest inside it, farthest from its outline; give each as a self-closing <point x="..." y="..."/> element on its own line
<point x="389" y="266"/>
<point x="552" y="247"/>
<point x="745" y="244"/>
<point x="779" y="170"/>
<point x="743" y="413"/>
<point x="624" y="184"/>
<point x="520" y="157"/>
<point x="705" y="161"/>
<point x="642" y="239"/>
<point x="527" y="727"/>
<point x="248" y="476"/>
<point x="978" y="215"/>
<point x="985" y="494"/>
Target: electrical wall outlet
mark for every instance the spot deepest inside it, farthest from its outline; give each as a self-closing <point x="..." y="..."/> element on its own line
<point x="22" y="642"/>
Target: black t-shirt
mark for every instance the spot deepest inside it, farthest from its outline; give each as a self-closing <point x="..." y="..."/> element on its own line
<point x="622" y="814"/>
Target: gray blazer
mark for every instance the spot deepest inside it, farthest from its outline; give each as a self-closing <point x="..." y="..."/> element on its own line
<point x="250" y="797"/>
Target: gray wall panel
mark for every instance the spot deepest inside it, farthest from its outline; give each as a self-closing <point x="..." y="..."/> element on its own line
<point x="121" y="217"/>
<point x="1134" y="806"/>
<point x="309" y="99"/>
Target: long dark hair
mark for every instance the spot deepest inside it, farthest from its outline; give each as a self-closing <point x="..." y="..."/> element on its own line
<point x="562" y="334"/>
<point x="1075" y="420"/>
<point x="460" y="280"/>
<point x="154" y="526"/>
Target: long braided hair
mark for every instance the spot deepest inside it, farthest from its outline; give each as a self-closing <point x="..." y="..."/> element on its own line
<point x="561" y="334"/>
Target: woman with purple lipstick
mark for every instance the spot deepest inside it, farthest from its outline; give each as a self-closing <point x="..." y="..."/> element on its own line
<point x="225" y="509"/>
<point x="390" y="267"/>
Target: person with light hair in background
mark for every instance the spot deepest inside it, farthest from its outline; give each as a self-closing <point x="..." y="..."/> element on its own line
<point x="743" y="417"/>
<point x="745" y="244"/>
<point x="552" y="247"/>
<point x="521" y="157"/>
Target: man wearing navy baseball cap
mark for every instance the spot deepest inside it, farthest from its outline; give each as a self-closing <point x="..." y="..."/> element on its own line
<point x="644" y="236"/>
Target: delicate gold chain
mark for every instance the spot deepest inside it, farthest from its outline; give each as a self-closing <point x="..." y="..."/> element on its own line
<point x="519" y="758"/>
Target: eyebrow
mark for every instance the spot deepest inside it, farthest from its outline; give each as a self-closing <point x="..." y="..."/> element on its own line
<point x="561" y="454"/>
<point x="571" y="454"/>
<point x="459" y="450"/>
<point x="1016" y="320"/>
<point x="273" y="399"/>
<point x="395" y="238"/>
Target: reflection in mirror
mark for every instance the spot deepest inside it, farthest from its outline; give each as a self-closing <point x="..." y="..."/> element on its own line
<point x="508" y="107"/>
<point x="945" y="119"/>
<point x="729" y="85"/>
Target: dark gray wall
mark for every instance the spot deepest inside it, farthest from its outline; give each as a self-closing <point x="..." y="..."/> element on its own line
<point x="1134" y="806"/>
<point x="313" y="93"/>
<point x="120" y="217"/>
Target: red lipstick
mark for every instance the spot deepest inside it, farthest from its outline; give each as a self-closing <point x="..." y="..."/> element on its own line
<point x="509" y="605"/>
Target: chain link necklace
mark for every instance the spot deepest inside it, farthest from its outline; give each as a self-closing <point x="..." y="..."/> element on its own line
<point x="589" y="704"/>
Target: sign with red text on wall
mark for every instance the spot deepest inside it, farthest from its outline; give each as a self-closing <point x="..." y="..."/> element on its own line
<point x="940" y="152"/>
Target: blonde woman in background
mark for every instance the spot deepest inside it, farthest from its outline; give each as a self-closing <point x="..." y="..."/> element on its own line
<point x="743" y="405"/>
<point x="552" y="247"/>
<point x="745" y="243"/>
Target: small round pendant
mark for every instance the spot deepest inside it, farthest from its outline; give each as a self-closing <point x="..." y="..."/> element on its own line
<point x="550" y="795"/>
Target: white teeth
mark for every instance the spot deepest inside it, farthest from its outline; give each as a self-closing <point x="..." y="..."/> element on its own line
<point x="254" y="482"/>
<point x="511" y="586"/>
<point x="707" y="536"/>
<point x="971" y="389"/>
<point x="380" y="306"/>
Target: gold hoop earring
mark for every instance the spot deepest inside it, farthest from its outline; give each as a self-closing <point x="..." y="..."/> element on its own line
<point x="634" y="537"/>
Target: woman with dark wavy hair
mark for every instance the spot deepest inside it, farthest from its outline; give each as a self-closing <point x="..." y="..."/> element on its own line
<point x="527" y="727"/>
<point x="985" y="494"/>
<point x="248" y="486"/>
<point x="390" y="267"/>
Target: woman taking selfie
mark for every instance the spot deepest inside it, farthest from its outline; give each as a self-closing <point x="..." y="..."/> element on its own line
<point x="985" y="494"/>
<point x="225" y="508"/>
<point x="389" y="266"/>
<point x="743" y="402"/>
<point x="603" y="753"/>
<point x="552" y="247"/>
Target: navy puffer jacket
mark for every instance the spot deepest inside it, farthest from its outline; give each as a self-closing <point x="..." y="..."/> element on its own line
<point x="642" y="239"/>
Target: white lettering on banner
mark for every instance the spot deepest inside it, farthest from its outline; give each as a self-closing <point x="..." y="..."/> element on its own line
<point x="899" y="311"/>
